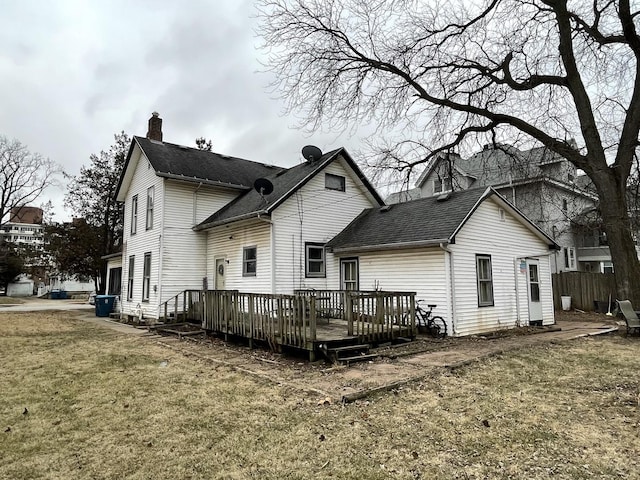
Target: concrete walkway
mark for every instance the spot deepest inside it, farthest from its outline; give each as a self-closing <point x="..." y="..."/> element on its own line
<point x="38" y="304"/>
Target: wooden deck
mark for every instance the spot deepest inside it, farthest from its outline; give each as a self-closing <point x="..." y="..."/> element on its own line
<point x="308" y="320"/>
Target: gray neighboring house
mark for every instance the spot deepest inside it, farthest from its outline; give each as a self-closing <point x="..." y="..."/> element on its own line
<point x="545" y="187"/>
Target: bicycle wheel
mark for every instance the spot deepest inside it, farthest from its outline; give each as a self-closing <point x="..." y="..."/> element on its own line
<point x="438" y="327"/>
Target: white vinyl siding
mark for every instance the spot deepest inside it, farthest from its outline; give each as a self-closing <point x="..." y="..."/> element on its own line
<point x="184" y="257"/>
<point x="315" y="214"/>
<point x="422" y="271"/>
<point x="510" y="244"/>
<point x="228" y="242"/>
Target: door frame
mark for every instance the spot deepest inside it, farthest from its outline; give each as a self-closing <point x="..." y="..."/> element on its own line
<point x="534" y="308"/>
<point x="352" y="260"/>
<point x="219" y="261"/>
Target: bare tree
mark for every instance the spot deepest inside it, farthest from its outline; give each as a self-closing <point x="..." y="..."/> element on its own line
<point x="458" y="74"/>
<point x="23" y="176"/>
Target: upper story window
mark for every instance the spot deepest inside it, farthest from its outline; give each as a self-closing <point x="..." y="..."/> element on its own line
<point x="565" y="205"/>
<point x="315" y="260"/>
<point x="150" y="194"/>
<point x="334" y="182"/>
<point x="249" y="261"/>
<point x="134" y="214"/>
<point x="441" y="185"/>
<point x="484" y="278"/>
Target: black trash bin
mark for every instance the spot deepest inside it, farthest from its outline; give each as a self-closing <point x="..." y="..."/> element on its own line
<point x="104" y="305"/>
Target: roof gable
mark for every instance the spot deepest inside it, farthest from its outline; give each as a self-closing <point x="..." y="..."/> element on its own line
<point x="285" y="183"/>
<point x="192" y="165"/>
<point x="427" y="221"/>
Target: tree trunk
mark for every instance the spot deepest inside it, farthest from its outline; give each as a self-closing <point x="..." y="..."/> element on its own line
<point x="617" y="225"/>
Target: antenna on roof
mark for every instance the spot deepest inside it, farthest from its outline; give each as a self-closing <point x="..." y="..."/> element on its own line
<point x="263" y="187"/>
<point x="311" y="153"/>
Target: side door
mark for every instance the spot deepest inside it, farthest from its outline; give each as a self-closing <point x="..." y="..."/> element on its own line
<point x="533" y="288"/>
<point x="220" y="272"/>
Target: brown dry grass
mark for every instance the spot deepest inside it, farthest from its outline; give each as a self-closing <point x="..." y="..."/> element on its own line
<point x="104" y="405"/>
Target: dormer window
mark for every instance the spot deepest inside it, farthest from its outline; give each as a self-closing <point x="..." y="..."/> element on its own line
<point x="441" y="185"/>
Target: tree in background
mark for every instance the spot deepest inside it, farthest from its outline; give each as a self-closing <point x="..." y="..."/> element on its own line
<point x="23" y="176"/>
<point x="453" y="76"/>
<point x="91" y="197"/>
<point x="11" y="265"/>
<point x="204" y="144"/>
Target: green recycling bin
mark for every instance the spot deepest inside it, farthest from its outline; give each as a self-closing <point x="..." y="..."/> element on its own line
<point x="104" y="305"/>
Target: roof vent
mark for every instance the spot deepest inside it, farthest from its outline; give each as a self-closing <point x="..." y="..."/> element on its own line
<point x="443" y="197"/>
<point x="385" y="208"/>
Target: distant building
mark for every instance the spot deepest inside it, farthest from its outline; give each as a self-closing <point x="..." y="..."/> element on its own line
<point x="24" y="228"/>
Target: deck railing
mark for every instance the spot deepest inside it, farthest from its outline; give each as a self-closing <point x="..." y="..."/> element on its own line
<point x="291" y="320"/>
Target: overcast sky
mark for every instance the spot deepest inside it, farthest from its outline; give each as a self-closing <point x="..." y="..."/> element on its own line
<point x="73" y="73"/>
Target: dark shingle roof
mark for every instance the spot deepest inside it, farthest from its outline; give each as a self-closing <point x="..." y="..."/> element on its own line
<point x="193" y="164"/>
<point x="419" y="221"/>
<point x="284" y="183"/>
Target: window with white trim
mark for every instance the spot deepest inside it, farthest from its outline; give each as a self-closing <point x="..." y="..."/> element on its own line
<point x="134" y="214"/>
<point x="132" y="261"/>
<point x="441" y="185"/>
<point x="249" y="261"/>
<point x="150" y="196"/>
<point x="315" y="261"/>
<point x="485" y="280"/>
<point x="607" y="267"/>
<point x="146" y="277"/>
<point x="570" y="258"/>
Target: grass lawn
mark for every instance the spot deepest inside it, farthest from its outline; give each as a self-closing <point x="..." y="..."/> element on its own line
<point x="79" y="401"/>
<point x="10" y="300"/>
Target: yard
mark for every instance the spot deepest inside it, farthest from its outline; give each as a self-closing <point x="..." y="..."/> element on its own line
<point x="81" y="401"/>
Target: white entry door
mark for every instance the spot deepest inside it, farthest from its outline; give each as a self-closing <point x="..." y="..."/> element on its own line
<point x="349" y="274"/>
<point x="220" y="271"/>
<point x="533" y="284"/>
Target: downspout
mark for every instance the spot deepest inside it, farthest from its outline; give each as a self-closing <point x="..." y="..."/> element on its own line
<point x="450" y="285"/>
<point x="516" y="271"/>
<point x="161" y="251"/>
<point x="272" y="252"/>
<point x="195" y="204"/>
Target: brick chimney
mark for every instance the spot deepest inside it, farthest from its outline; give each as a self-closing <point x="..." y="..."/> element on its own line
<point x="155" y="127"/>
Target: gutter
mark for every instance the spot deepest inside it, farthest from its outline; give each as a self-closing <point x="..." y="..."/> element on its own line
<point x="392" y="246"/>
<point x="215" y="183"/>
<point x="244" y="216"/>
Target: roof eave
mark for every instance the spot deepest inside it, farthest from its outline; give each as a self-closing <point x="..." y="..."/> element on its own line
<point x="244" y="216"/>
<point x="392" y="246"/>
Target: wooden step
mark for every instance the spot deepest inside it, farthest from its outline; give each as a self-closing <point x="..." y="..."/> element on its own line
<point x="358" y="358"/>
<point x="350" y="348"/>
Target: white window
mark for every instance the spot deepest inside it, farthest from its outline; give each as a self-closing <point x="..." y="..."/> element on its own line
<point x="607" y="267"/>
<point x="150" y="193"/>
<point x="249" y="261"/>
<point x="485" y="280"/>
<point x="134" y="214"/>
<point x="570" y="258"/>
<point x="441" y="185"/>
<point x="132" y="261"/>
<point x="315" y="260"/>
<point x="146" y="277"/>
<point x="334" y="182"/>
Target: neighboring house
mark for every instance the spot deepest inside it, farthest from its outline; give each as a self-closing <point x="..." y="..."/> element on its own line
<point x="193" y="220"/>
<point x="199" y="220"/>
<point x="542" y="185"/>
<point x="475" y="256"/>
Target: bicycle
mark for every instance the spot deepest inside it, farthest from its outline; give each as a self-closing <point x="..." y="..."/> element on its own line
<point x="433" y="325"/>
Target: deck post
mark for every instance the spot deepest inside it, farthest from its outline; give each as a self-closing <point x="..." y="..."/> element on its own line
<point x="312" y="320"/>
<point x="348" y="312"/>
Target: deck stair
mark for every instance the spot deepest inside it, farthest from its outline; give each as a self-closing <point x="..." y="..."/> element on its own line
<point x="350" y="354"/>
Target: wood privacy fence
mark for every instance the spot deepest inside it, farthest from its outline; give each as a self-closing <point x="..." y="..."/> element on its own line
<point x="584" y="288"/>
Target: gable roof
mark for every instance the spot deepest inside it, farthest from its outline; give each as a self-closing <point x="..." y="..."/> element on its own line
<point x="285" y="183"/>
<point x="423" y="222"/>
<point x="193" y="165"/>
